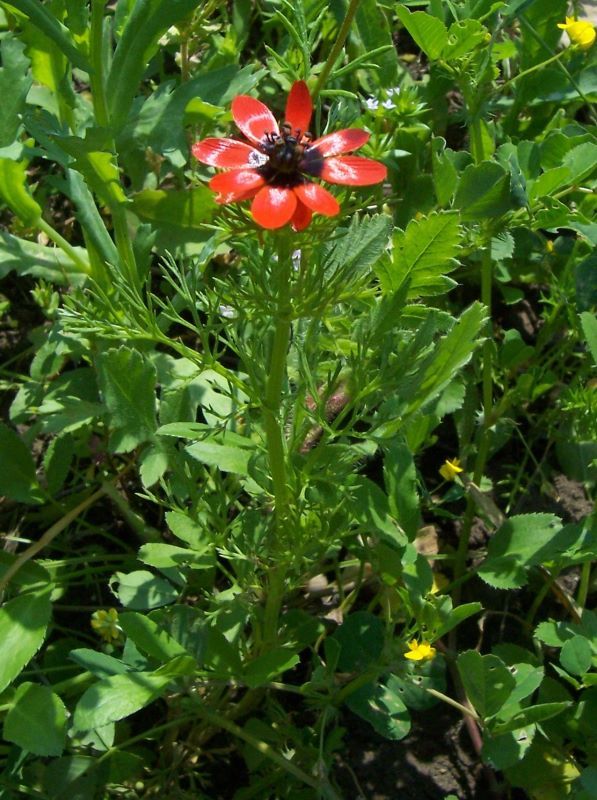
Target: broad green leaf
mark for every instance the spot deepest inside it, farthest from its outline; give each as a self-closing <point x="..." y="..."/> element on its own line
<point x="99" y="664"/>
<point x="29" y="576"/>
<point x="119" y="696"/>
<point x="227" y="457"/>
<point x="505" y="750"/>
<point x="127" y="381"/>
<point x="142" y="590"/>
<point x="576" y="655"/>
<point x="589" y="326"/>
<point x="269" y="666"/>
<point x="36" y="721"/>
<point x="186" y="529"/>
<point x="147" y="22"/>
<point x="15" y="82"/>
<point x="529" y="716"/>
<point x="42" y="17"/>
<point x="188" y="208"/>
<point x="18" y="480"/>
<point x="154" y="462"/>
<point x="585" y="282"/>
<point x="23" y="624"/>
<point x="450" y="618"/>
<point x="422" y="254"/>
<point x="30" y="258"/>
<point x="383" y="708"/>
<point x="169" y="555"/>
<point x="361" y="639"/>
<point x="14" y="192"/>
<point x="483" y="191"/>
<point x="522" y="542"/>
<point x="149" y="638"/>
<point x="486" y="680"/>
<point x="429" y="33"/>
<point x="57" y="461"/>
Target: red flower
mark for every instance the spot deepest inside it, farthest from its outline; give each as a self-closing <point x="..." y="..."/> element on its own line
<point x="277" y="168"/>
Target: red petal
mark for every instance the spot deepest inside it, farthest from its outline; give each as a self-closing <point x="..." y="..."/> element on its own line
<point x="226" y="153"/>
<point x="253" y="118"/>
<point x="341" y="141"/>
<point x="317" y="199"/>
<point x="273" y="206"/>
<point x="301" y="217"/>
<point x="239" y="184"/>
<point x="299" y="107"/>
<point x="353" y="171"/>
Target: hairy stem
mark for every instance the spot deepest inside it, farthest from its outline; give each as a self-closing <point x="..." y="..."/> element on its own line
<point x="336" y="49"/>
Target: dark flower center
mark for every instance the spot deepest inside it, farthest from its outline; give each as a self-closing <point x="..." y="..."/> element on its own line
<point x="289" y="156"/>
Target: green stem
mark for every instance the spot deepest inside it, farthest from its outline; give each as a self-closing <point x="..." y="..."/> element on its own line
<point x="48" y="537"/>
<point x="262" y="747"/>
<point x="276" y="447"/>
<point x="483" y="447"/>
<point x="534" y="68"/>
<point x="65" y="246"/>
<point x="583" y="586"/>
<point x="466" y="711"/>
<point x="338" y="45"/>
<point x="96" y="77"/>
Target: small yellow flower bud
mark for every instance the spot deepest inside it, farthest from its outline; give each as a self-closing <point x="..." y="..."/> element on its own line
<point x="450" y="469"/>
<point x="105" y="623"/>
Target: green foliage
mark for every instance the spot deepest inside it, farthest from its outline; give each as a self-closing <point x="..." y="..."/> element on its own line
<point x="223" y="509"/>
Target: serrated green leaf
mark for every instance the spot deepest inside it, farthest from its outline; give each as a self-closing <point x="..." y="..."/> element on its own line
<point x="422" y="254"/>
<point x="214" y="451"/>
<point x="31" y="258"/>
<point x="487" y="681"/>
<point x="15" y="82"/>
<point x="23" y="624"/>
<point x="17" y="468"/>
<point x="429" y="32"/>
<point x="400" y="479"/>
<point x="127" y="381"/>
<point x="95" y="161"/>
<point x="464" y="36"/>
<point x="48" y="24"/>
<point x="36" y="721"/>
<point x="361" y="246"/>
<point x="522" y="542"/>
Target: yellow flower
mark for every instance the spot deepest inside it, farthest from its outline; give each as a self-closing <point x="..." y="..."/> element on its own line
<point x="105" y="623"/>
<point x="580" y="32"/>
<point x="439" y="583"/>
<point x="420" y="652"/>
<point x="450" y="469"/>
